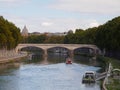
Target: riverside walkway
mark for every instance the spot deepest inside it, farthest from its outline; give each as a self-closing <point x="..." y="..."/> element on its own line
<point x="101" y="76"/>
<point x="12" y="58"/>
<point x="104" y="74"/>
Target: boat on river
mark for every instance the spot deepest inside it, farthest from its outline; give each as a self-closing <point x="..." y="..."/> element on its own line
<point x="89" y="77"/>
<point x="68" y="61"/>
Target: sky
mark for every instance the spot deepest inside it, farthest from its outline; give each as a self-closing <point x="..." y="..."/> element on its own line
<point x="59" y="15"/>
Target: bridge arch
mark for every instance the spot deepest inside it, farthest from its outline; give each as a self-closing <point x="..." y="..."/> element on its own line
<point x="32" y="49"/>
<point x="59" y="49"/>
<point x="85" y="51"/>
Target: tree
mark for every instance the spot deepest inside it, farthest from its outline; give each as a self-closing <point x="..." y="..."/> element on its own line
<point x="54" y="39"/>
<point x="108" y="35"/>
<point x="36" y="38"/>
<point x="9" y="34"/>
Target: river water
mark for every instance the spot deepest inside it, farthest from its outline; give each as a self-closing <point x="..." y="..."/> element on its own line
<point x="49" y="74"/>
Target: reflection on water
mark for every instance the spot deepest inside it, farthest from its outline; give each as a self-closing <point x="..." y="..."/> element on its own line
<point x="56" y="58"/>
<point x="85" y="60"/>
<point x="6" y="67"/>
<point x="52" y="58"/>
<point x="55" y="75"/>
<point x="34" y="59"/>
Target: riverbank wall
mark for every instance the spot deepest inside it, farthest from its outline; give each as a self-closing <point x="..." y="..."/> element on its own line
<point x="12" y="61"/>
<point x="14" y="58"/>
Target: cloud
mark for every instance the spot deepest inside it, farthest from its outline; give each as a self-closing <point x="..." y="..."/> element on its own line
<point x="94" y="23"/>
<point x="18" y="21"/>
<point x="52" y="24"/>
<point x="88" y="6"/>
<point x="8" y="0"/>
<point x="46" y="24"/>
<point x="48" y="20"/>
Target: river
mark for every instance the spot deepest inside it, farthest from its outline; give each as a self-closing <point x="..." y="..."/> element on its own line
<point x="50" y="73"/>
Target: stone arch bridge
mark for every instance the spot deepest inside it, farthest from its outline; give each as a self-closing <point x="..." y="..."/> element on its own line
<point x="70" y="47"/>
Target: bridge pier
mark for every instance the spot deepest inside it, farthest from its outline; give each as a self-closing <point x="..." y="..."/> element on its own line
<point x="71" y="53"/>
<point x="45" y="53"/>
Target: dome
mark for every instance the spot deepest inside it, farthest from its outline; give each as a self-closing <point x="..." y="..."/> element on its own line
<point x="25" y="31"/>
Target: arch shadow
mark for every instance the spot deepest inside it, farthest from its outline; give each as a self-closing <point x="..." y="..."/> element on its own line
<point x="59" y="50"/>
<point x="86" y="51"/>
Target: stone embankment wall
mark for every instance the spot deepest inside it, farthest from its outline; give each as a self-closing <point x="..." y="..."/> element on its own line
<point x="7" y="53"/>
<point x="10" y="55"/>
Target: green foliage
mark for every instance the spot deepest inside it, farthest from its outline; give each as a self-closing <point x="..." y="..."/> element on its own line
<point x="54" y="39"/>
<point x="105" y="36"/>
<point x="81" y="36"/>
<point x="9" y="34"/>
<point x="44" y="39"/>
<point x="108" y="35"/>
<point x="114" y="84"/>
<point x="69" y="38"/>
<point x="36" y="39"/>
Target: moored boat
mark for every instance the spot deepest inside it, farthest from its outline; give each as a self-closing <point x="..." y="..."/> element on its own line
<point x="89" y="77"/>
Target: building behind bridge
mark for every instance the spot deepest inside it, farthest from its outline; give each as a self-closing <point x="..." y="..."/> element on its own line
<point x="25" y="33"/>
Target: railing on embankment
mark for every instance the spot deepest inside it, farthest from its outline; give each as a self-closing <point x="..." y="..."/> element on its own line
<point x="106" y="78"/>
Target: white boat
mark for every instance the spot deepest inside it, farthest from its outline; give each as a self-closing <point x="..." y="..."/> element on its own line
<point x="89" y="77"/>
